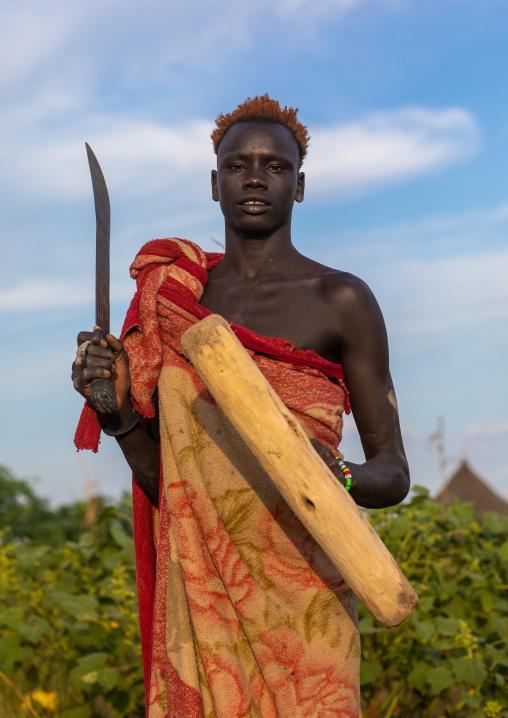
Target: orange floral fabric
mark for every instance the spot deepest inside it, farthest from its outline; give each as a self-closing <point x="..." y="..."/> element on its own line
<point x="248" y="616"/>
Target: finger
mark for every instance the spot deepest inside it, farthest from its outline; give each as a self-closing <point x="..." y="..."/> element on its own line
<point x="99" y="337"/>
<point x="118" y="348"/>
<point x="99" y="362"/>
<point x="84" y="337"/>
<point x="95" y="337"/>
<point x="328" y="457"/>
<point x="94" y="372"/>
<point x="78" y="382"/>
<point x="114" y="343"/>
<point x="321" y="449"/>
<point x="89" y="354"/>
<point x="104" y="352"/>
<point x="78" y="385"/>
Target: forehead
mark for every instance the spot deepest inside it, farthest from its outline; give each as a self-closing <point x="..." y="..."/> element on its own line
<point x="259" y="136"/>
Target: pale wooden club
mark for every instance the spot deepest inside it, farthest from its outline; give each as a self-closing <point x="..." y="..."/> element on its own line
<point x="282" y="448"/>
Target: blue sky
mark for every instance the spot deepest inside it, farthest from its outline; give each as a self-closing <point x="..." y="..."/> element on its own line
<point x="406" y="187"/>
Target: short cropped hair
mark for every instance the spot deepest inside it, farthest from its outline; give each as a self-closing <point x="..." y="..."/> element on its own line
<point x="263" y="109"/>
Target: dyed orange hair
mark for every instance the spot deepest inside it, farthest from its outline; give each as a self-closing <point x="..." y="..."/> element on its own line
<point x="263" y="109"/>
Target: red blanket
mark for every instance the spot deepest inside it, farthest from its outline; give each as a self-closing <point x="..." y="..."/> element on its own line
<point x="241" y="613"/>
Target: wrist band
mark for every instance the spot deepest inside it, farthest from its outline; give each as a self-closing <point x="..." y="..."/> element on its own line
<point x="347" y="474"/>
<point x="122" y="429"/>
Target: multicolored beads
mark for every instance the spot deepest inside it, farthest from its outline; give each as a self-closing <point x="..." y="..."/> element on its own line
<point x="347" y="474"/>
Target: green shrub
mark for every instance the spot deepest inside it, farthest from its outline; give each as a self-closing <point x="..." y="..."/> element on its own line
<point x="450" y="657"/>
<point x="69" y="636"/>
<point x="25" y="515"/>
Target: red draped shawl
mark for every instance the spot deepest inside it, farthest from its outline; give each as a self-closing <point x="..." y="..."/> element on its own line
<point x="171" y="275"/>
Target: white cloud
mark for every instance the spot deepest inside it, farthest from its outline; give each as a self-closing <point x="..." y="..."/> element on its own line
<point x="136" y="38"/>
<point x="387" y="147"/>
<point x="57" y="57"/>
<point x="436" y="278"/>
<point x="436" y="233"/>
<point x="53" y="293"/>
<point x="42" y="295"/>
<point x="136" y="157"/>
<point x="143" y="157"/>
<point x="449" y="293"/>
<point x="33" y="34"/>
<point x="496" y="429"/>
<point x="421" y="296"/>
<point x="316" y="8"/>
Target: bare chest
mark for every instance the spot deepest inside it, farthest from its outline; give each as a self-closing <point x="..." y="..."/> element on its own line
<point x="292" y="309"/>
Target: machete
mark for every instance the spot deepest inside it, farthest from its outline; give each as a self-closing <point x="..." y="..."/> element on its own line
<point x="102" y="391"/>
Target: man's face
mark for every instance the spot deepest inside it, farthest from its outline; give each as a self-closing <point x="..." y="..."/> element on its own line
<point x="257" y="179"/>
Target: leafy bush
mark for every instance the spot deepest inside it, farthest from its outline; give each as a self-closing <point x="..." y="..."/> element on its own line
<point x="23" y="514"/>
<point x="450" y="657"/>
<point x="69" y="636"/>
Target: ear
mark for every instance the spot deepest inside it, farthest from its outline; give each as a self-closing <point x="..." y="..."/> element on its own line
<point x="300" y="190"/>
<point x="215" y="191"/>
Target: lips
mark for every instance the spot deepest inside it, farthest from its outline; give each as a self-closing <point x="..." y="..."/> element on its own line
<point x="254" y="205"/>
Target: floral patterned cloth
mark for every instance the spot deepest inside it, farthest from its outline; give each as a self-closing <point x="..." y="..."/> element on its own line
<point x="242" y="614"/>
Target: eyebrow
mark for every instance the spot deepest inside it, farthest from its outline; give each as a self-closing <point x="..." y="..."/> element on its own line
<point x="245" y="155"/>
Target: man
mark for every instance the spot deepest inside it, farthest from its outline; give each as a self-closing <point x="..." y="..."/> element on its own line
<point x="242" y="614"/>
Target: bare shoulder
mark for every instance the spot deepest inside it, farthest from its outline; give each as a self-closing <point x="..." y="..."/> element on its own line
<point x="351" y="307"/>
<point x="357" y="321"/>
<point x="342" y="290"/>
<point x="346" y="288"/>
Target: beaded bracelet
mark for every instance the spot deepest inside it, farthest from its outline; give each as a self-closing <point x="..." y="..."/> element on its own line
<point x="346" y="472"/>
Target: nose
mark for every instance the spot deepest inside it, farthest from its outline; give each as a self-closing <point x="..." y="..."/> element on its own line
<point x="255" y="179"/>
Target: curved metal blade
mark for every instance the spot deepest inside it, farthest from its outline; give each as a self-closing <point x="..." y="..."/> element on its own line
<point x="102" y="217"/>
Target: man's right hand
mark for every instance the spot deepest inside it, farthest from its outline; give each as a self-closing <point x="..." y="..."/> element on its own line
<point x="98" y="359"/>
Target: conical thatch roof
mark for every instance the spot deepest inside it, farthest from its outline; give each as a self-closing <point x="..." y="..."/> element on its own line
<point x="467" y="486"/>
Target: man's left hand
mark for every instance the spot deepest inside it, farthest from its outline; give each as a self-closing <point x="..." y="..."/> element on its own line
<point x="328" y="456"/>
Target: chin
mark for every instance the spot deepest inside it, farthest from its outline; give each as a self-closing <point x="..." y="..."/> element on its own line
<point x="257" y="229"/>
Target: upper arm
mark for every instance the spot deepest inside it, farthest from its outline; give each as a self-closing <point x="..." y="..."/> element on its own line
<point x="365" y="361"/>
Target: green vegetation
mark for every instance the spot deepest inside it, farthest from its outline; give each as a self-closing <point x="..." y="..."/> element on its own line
<point x="450" y="658"/>
<point x="69" y="636"/>
<point x="69" y="639"/>
<point x="25" y="515"/>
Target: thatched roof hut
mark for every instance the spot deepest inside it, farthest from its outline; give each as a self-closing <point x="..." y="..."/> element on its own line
<point x="465" y="485"/>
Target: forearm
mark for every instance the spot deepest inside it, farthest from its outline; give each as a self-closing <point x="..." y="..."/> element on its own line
<point x="383" y="481"/>
<point x="143" y="456"/>
<point x="141" y="452"/>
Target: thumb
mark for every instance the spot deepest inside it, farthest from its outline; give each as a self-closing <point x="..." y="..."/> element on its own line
<point x="116" y="345"/>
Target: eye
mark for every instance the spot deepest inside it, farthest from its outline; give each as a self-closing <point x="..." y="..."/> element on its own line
<point x="276" y="168"/>
<point x="235" y="167"/>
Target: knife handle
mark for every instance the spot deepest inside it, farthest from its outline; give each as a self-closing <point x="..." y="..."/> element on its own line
<point x="102" y="391"/>
<point x="103" y="395"/>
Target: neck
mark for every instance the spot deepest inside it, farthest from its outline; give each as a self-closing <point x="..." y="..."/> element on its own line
<point x="251" y="257"/>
